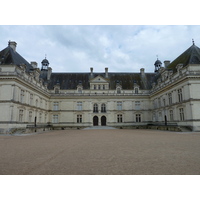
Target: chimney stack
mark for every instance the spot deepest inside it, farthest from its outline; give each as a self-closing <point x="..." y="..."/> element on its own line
<point x="49" y="73"/>
<point x="106" y="72"/>
<point x="12" y="44"/>
<point x="34" y="64"/>
<point x="166" y="63"/>
<point x="91" y="71"/>
<point x="142" y="71"/>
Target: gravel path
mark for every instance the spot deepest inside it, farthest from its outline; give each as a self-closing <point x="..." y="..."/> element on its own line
<point x="101" y="152"/>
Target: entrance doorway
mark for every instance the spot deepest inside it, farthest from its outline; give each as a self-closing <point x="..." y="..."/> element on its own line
<point x="95" y="121"/>
<point x="103" y="121"/>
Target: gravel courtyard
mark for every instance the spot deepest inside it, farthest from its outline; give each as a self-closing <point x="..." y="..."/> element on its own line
<point x="101" y="152"/>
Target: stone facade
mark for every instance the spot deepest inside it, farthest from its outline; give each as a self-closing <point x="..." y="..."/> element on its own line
<point x="31" y="97"/>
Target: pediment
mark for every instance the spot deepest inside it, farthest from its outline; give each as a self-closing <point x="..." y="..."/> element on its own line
<point x="98" y="79"/>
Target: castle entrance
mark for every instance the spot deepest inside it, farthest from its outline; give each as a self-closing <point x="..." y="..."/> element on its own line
<point x="103" y="121"/>
<point x="95" y="121"/>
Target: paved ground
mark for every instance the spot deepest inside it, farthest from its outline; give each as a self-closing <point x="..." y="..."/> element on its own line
<point x="101" y="151"/>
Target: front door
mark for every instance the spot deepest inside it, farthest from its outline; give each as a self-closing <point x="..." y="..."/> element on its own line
<point x="95" y="121"/>
<point x="103" y="121"/>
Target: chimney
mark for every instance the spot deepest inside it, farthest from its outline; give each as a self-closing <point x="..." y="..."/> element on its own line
<point x="49" y="73"/>
<point x="34" y="64"/>
<point x="12" y="44"/>
<point x="166" y="63"/>
<point x="106" y="72"/>
<point x="91" y="71"/>
<point x="142" y="71"/>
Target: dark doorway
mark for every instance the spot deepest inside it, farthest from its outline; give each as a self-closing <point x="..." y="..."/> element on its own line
<point x="35" y="122"/>
<point x="103" y="121"/>
<point x="165" y="120"/>
<point x="95" y="121"/>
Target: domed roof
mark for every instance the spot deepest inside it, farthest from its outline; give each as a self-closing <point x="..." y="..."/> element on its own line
<point x="158" y="62"/>
<point x="45" y="62"/>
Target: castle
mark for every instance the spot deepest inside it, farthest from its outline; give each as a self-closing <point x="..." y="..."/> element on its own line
<point x="32" y="97"/>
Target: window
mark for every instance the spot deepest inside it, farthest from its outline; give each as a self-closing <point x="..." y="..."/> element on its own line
<point x="40" y="118"/>
<point x="94" y="87"/>
<point x="95" y="108"/>
<point x="160" y="116"/>
<point x="170" y="98"/>
<point x="119" y="105"/>
<point x="79" y="118"/>
<point x="56" y="91"/>
<point x="79" y="105"/>
<point x="137" y="105"/>
<point x="103" y="107"/>
<point x="136" y="90"/>
<point x="45" y="118"/>
<point x="119" y="118"/>
<point x="118" y="90"/>
<point x="164" y="102"/>
<point x="181" y="112"/>
<point x="21" y="113"/>
<point x="22" y="96"/>
<point x="171" y="115"/>
<point x="31" y="99"/>
<point x="55" y="105"/>
<point x="159" y="103"/>
<point x="41" y="103"/>
<point x="55" y="118"/>
<point x="103" y="87"/>
<point x="79" y="90"/>
<point x="155" y="104"/>
<point x="30" y="116"/>
<point x="99" y="87"/>
<point x="138" y="117"/>
<point x="180" y="97"/>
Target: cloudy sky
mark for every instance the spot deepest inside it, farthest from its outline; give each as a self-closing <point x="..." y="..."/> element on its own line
<point x="121" y="48"/>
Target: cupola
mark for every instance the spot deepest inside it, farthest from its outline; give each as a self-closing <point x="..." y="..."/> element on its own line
<point x="45" y="64"/>
<point x="158" y="65"/>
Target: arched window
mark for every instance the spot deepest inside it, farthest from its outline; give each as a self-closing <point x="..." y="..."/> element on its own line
<point x="103" y="107"/>
<point x="95" y="108"/>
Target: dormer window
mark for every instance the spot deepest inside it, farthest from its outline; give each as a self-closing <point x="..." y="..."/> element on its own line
<point x="79" y="90"/>
<point x="56" y="91"/>
<point x="99" y="83"/>
<point x="136" y="90"/>
<point x="118" y="90"/>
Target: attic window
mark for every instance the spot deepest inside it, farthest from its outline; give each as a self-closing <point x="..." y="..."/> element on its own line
<point x="56" y="91"/>
<point x="79" y="90"/>
<point x="118" y="90"/>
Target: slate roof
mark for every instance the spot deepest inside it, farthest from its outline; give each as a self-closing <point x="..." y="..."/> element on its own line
<point x="8" y="56"/>
<point x="71" y="80"/>
<point x="190" y="56"/>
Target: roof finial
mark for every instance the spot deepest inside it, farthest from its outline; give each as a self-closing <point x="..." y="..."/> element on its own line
<point x="193" y="41"/>
<point x="157" y="57"/>
<point x="45" y="56"/>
